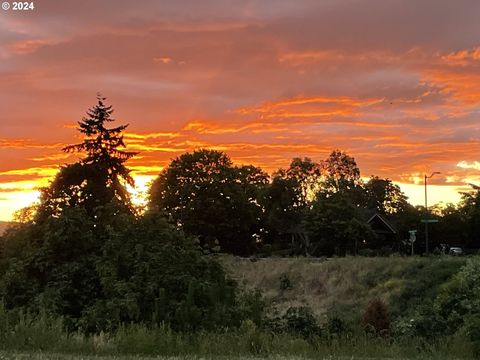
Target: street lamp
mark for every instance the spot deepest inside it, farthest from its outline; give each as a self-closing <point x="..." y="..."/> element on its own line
<point x="426" y="210"/>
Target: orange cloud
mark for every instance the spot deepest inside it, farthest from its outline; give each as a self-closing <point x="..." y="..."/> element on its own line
<point x="204" y="127"/>
<point x="25" y="47"/>
<point x="55" y="157"/>
<point x="462" y="57"/>
<point x="461" y="86"/>
<point x="138" y="170"/>
<point x="159" y="148"/>
<point x="163" y="60"/>
<point x="27" y="143"/>
<point x="153" y="135"/>
<point x="321" y="100"/>
<point x="368" y="57"/>
<point x="36" y="171"/>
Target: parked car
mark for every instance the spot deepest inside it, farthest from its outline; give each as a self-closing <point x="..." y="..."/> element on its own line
<point x="455" y="251"/>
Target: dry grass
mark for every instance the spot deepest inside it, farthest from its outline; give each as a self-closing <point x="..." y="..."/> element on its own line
<point x="325" y="284"/>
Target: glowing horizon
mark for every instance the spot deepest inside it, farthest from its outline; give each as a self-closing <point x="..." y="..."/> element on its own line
<point x="437" y="195"/>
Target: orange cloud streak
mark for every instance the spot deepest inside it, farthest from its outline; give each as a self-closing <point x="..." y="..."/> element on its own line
<point x="342" y="100"/>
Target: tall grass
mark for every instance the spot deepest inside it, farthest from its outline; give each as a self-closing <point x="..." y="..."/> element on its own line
<point x="22" y="333"/>
<point x="346" y="283"/>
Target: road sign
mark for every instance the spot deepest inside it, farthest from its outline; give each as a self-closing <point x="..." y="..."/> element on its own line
<point x="429" y="221"/>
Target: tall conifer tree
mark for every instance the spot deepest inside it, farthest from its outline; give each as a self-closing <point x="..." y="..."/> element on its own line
<point x="100" y="176"/>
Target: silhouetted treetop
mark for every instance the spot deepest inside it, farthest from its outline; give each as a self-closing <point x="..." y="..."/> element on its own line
<point x="383" y="196"/>
<point x="207" y="196"/>
<point x="98" y="178"/>
<point x="340" y="172"/>
<point x="101" y="144"/>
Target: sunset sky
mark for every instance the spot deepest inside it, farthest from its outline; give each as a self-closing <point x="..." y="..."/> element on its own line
<point x="394" y="83"/>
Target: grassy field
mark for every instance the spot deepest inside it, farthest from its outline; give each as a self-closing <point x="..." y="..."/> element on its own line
<point x="344" y="283"/>
<point x="339" y="283"/>
<point x="47" y="356"/>
<point x="52" y="356"/>
<point x="44" y="338"/>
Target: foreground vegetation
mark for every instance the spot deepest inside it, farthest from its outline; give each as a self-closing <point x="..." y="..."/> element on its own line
<point x="428" y="317"/>
<point x="57" y="356"/>
<point x="23" y="334"/>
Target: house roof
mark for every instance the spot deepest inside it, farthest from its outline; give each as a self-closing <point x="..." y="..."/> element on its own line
<point x="384" y="221"/>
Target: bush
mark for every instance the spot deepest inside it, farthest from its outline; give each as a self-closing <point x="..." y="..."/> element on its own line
<point x="473" y="331"/>
<point x="459" y="298"/>
<point x="300" y="320"/>
<point x="419" y="283"/>
<point x="285" y="282"/>
<point x="376" y="319"/>
<point x="337" y="327"/>
<point x="423" y="323"/>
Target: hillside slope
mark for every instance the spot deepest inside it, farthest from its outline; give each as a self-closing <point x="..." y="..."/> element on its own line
<point x="345" y="284"/>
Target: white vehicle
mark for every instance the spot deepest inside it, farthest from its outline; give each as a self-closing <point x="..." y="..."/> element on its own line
<point x="455" y="251"/>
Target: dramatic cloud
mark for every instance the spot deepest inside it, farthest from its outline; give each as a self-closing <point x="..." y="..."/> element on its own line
<point x="396" y="84"/>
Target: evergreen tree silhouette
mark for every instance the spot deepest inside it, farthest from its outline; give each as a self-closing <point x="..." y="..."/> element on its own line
<point x="100" y="176"/>
<point x="102" y="144"/>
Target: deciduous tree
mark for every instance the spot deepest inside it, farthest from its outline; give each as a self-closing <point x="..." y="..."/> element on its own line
<point x="204" y="194"/>
<point x="383" y="196"/>
<point x="340" y="172"/>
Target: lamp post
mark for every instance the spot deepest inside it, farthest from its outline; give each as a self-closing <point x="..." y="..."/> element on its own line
<point x="426" y="210"/>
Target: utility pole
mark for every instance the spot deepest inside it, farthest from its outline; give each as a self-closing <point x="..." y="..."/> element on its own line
<point x="426" y="220"/>
<point x="426" y="217"/>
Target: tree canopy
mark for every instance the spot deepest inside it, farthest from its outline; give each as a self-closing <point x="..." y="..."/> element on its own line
<point x="100" y="176"/>
<point x="205" y="195"/>
<point x="340" y="172"/>
<point x="383" y="196"/>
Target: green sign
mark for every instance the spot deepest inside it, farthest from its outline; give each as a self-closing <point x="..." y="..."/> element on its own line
<point x="430" y="221"/>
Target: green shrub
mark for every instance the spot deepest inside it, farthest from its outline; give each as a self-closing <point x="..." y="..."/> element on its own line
<point x="424" y="323"/>
<point x="459" y="298"/>
<point x="337" y="327"/>
<point x="472" y="328"/>
<point x="445" y="306"/>
<point x="285" y="282"/>
<point x="376" y="318"/>
<point x="422" y="282"/>
<point x="273" y="321"/>
<point x="300" y="320"/>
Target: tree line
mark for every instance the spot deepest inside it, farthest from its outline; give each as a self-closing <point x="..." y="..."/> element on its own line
<point x="85" y="252"/>
<point x="310" y="208"/>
